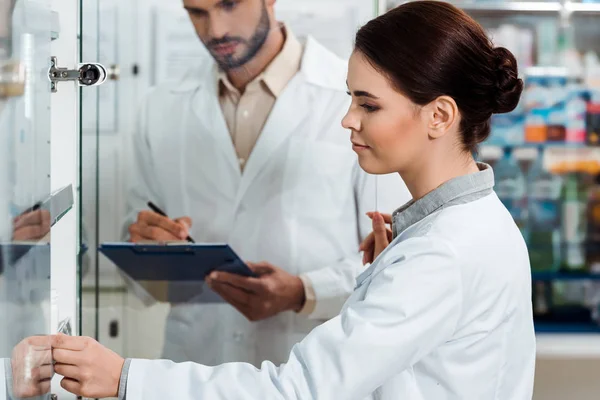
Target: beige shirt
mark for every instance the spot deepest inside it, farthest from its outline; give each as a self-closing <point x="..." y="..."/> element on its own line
<point x="246" y="113"/>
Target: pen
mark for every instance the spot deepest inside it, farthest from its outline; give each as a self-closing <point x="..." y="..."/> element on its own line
<point x="157" y="210"/>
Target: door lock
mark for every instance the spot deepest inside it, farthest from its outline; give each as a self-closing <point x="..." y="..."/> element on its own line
<point x="88" y="74"/>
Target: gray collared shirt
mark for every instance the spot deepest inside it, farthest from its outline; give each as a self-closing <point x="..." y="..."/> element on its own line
<point x="123" y="380"/>
<point x="460" y="190"/>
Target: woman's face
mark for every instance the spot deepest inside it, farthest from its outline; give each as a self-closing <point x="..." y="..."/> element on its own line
<point x="389" y="131"/>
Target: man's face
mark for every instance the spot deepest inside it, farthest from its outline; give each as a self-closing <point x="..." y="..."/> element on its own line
<point x="233" y="31"/>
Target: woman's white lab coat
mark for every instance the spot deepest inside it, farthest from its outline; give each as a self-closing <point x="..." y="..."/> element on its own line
<point x="300" y="203"/>
<point x="443" y="313"/>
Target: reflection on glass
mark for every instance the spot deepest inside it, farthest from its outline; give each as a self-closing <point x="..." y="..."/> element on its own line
<point x="187" y="168"/>
<point x="30" y="368"/>
<point x="32" y="226"/>
<point x="12" y="76"/>
<point x="25" y="220"/>
<point x="6" y="7"/>
<point x="248" y="150"/>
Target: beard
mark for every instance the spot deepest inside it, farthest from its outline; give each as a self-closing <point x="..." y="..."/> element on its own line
<point x="252" y="45"/>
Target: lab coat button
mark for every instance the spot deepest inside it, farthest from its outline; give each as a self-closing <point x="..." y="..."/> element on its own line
<point x="245" y="113"/>
<point x="238" y="336"/>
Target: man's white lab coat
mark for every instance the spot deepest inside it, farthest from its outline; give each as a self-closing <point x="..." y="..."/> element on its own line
<point x="300" y="203"/>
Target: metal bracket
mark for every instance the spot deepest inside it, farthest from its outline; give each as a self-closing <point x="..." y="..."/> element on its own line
<point x="89" y="74"/>
<point x="57" y="74"/>
<point x="12" y="80"/>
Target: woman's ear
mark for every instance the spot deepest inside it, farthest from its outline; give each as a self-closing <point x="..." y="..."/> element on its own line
<point x="443" y="114"/>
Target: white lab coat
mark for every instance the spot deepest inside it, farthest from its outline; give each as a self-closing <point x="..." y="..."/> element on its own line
<point x="444" y="313"/>
<point x="300" y="203"/>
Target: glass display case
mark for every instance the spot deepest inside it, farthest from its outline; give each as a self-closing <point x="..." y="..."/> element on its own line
<point x="39" y="81"/>
<point x="28" y="209"/>
<point x="161" y="47"/>
<point x="545" y="153"/>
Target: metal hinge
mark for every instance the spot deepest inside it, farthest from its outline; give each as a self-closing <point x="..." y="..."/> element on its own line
<point x="88" y="74"/>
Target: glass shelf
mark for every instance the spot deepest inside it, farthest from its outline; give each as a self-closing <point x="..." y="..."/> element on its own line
<point x="565" y="328"/>
<point x="554" y="145"/>
<point x="563" y="276"/>
<point x="583" y="8"/>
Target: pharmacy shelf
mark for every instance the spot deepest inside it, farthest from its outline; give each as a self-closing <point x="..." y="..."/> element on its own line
<point x="563" y="276"/>
<point x="568" y="345"/>
<point x="545" y="145"/>
<point x="583" y="8"/>
<point x="541" y="7"/>
<point x="566" y="328"/>
<point x="528" y="151"/>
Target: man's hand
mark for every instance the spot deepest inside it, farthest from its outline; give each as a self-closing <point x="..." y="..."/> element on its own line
<point x="272" y="292"/>
<point x="379" y="239"/>
<point x="89" y="369"/>
<point x="31" y="226"/>
<point x="151" y="226"/>
<point x="31" y="365"/>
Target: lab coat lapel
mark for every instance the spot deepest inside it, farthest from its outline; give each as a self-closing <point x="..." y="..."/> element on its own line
<point x="209" y="114"/>
<point x="290" y="110"/>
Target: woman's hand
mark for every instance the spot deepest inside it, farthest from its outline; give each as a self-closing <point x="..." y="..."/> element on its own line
<point x="89" y="369"/>
<point x="377" y="240"/>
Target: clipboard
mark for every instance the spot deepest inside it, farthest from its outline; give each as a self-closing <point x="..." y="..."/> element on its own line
<point x="12" y="252"/>
<point x="174" y="262"/>
<point x="58" y="204"/>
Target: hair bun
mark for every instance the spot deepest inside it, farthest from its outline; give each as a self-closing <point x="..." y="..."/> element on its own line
<point x="508" y="84"/>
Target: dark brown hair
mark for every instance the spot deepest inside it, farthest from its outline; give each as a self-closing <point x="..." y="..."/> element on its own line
<point x="429" y="49"/>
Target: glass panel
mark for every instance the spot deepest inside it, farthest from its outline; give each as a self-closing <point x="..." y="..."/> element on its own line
<point x="100" y="120"/>
<point x="88" y="173"/>
<point x="154" y="319"/>
<point x="25" y="204"/>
